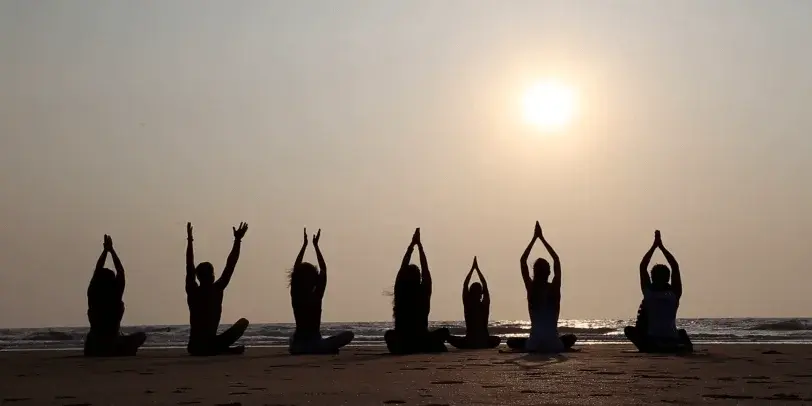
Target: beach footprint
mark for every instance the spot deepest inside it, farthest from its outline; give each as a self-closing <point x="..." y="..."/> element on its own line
<point x="447" y="382"/>
<point x="726" y="396"/>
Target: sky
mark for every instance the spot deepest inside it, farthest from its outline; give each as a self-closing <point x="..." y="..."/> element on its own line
<point x="369" y="118"/>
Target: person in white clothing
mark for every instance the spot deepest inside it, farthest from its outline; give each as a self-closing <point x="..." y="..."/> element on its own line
<point x="656" y="327"/>
<point x="543" y="303"/>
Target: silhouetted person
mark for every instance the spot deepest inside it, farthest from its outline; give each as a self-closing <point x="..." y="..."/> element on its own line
<point x="206" y="301"/>
<point x="656" y="327"/>
<point x="543" y="303"/>
<point x="412" y="304"/>
<point x="476" y="301"/>
<point x="105" y="309"/>
<point x="307" y="286"/>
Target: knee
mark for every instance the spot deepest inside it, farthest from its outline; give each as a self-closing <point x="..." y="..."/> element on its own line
<point x="138" y="339"/>
<point x="242" y="322"/>
<point x="443" y="333"/>
<point x="630" y="331"/>
<point x="344" y="337"/>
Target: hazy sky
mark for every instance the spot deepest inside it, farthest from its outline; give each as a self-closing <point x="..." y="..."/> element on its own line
<point x="368" y="118"/>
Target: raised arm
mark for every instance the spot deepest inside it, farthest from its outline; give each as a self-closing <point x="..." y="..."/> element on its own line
<point x="233" y="257"/>
<point x="645" y="278"/>
<point x="425" y="273"/>
<point x="486" y="295"/>
<point x="676" y="277"/>
<point x="103" y="257"/>
<point x="528" y="281"/>
<point x="300" y="257"/>
<point x="322" y="264"/>
<point x="190" y="259"/>
<point x="108" y="242"/>
<point x="556" y="261"/>
<point x="467" y="281"/>
<point x="407" y="257"/>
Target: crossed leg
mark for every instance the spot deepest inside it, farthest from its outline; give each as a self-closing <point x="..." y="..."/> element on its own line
<point x="224" y="341"/>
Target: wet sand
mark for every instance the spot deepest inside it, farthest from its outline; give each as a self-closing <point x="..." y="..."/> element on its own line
<point x="598" y="375"/>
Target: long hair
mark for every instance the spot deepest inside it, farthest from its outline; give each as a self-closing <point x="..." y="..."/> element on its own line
<point x="541" y="273"/>
<point x="302" y="280"/>
<point x="102" y="286"/>
<point x="407" y="292"/>
<point x="104" y="306"/>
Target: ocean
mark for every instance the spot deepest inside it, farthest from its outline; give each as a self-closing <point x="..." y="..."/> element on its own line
<point x="607" y="331"/>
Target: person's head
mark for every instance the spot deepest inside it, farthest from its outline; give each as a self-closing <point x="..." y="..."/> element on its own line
<point x="303" y="278"/>
<point x="102" y="289"/>
<point x="105" y="275"/>
<point x="205" y="273"/>
<point x="660" y="275"/>
<point x="408" y="277"/>
<point x="103" y="279"/>
<point x="475" y="291"/>
<point x="541" y="271"/>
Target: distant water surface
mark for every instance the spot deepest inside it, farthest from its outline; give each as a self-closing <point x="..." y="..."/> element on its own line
<point x="607" y="331"/>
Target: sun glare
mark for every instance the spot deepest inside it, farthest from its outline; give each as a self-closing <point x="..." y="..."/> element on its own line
<point x="549" y="105"/>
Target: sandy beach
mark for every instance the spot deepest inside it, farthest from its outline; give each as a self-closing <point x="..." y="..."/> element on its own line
<point x="597" y="375"/>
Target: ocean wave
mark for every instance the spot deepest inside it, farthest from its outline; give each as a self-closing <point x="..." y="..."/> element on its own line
<point x="745" y="330"/>
<point x="577" y="330"/>
<point x="157" y="329"/>
<point x="783" y="325"/>
<point x="50" y="336"/>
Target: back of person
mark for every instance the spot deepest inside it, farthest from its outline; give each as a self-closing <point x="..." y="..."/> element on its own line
<point x="105" y="310"/>
<point x="412" y="313"/>
<point x="661" y="313"/>
<point x="205" y="309"/>
<point x="307" y="313"/>
<point x="476" y="316"/>
<point x="544" y="307"/>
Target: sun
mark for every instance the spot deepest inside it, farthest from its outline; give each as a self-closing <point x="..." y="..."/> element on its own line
<point x="549" y="105"/>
